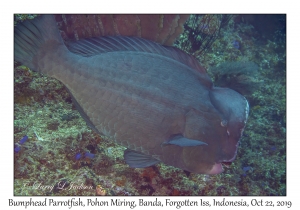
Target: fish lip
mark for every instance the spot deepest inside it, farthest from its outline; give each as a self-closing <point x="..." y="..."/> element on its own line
<point x="228" y="161"/>
<point x="226" y="164"/>
<point x="218" y="167"/>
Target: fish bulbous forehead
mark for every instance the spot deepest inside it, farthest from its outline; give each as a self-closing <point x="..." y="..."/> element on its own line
<point x="234" y="108"/>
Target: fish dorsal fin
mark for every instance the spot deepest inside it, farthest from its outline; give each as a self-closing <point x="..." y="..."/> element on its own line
<point x="94" y="46"/>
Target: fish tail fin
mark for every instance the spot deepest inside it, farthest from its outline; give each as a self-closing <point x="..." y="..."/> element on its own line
<point x="31" y="35"/>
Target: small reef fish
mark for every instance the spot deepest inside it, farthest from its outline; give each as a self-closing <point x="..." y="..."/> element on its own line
<point x="17" y="147"/>
<point x="157" y="101"/>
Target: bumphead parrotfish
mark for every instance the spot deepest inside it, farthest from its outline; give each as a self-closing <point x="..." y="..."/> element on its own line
<point x="155" y="100"/>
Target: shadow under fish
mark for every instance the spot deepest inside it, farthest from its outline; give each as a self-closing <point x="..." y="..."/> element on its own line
<point x="155" y="100"/>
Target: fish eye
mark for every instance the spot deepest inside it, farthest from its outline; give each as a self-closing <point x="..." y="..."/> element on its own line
<point x="223" y="123"/>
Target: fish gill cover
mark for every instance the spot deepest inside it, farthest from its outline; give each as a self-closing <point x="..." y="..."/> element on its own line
<point x="53" y="144"/>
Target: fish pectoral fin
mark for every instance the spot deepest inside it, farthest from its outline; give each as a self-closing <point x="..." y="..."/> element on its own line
<point x="138" y="160"/>
<point x="181" y="141"/>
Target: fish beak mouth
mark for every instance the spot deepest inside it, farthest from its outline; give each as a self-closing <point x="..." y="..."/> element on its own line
<point x="216" y="169"/>
<point x="219" y="167"/>
<point x="226" y="164"/>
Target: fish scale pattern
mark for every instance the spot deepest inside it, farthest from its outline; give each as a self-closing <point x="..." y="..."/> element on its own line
<point x="136" y="92"/>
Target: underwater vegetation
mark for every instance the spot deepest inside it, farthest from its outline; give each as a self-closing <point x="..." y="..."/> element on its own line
<point x="239" y="76"/>
<point x="62" y="149"/>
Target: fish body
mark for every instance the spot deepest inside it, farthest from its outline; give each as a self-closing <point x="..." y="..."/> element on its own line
<point x="157" y="101"/>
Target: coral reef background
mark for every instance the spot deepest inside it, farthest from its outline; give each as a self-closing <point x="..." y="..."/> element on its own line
<point x="248" y="54"/>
